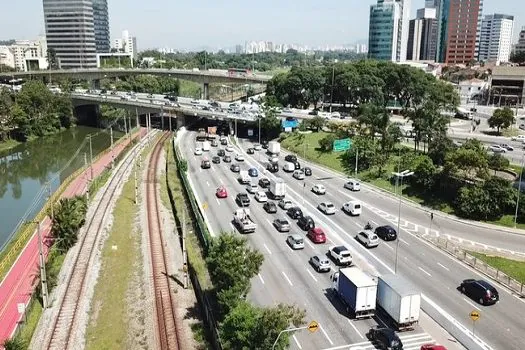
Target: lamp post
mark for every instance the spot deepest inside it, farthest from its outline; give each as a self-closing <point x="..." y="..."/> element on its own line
<point x="399" y="175"/>
<point x="287" y="331"/>
<point x="43" y="274"/>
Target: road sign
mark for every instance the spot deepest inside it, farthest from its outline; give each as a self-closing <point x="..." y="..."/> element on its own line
<point x="313" y="327"/>
<point x="205" y="205"/>
<point x="474" y="315"/>
<point x="342" y="145"/>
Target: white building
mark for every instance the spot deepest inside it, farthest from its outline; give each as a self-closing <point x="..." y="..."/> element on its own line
<point x="470" y="89"/>
<point x="25" y="55"/>
<point x="496" y="38"/>
<point x="126" y="44"/>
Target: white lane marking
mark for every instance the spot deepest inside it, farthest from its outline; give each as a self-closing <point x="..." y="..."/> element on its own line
<point x="287" y="279"/>
<point x="297" y="342"/>
<point x="267" y="249"/>
<point x="471" y="304"/>
<point x="269" y="222"/>
<point x="357" y="224"/>
<point x="446" y="268"/>
<point x="311" y="274"/>
<point x="429" y="275"/>
<point x="326" y="335"/>
<point x="373" y="222"/>
<point x="260" y="277"/>
<point x="402" y="240"/>
<point x="207" y="183"/>
<point x="200" y="169"/>
<point x="355" y="328"/>
<point x="233" y="227"/>
<point x="218" y="202"/>
<point x="388" y="246"/>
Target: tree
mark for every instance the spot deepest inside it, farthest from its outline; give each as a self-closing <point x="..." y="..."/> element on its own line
<point x="239" y="326"/>
<point x="69" y="217"/>
<point x="501" y="119"/>
<point x="365" y="149"/>
<point x="317" y="123"/>
<point x="15" y="343"/>
<point x="468" y="161"/>
<point x="497" y="162"/>
<point x="272" y="321"/>
<point x="438" y="149"/>
<point x="518" y="57"/>
<point x="52" y="59"/>
<point x="473" y="203"/>
<point x="326" y="143"/>
<point x="502" y="196"/>
<point x="424" y="173"/>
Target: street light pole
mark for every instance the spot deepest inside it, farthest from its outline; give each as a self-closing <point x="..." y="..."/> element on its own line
<point x="259" y="130"/>
<point x="90" y="157"/>
<point x="43" y="275"/>
<point x="356" y="160"/>
<point x="287" y="331"/>
<point x="400" y="175"/>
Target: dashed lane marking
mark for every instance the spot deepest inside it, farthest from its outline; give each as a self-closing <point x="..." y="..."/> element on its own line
<point x="311" y="274"/>
<point x="287" y="279"/>
<point x="297" y="342"/>
<point x="355" y="329"/>
<point x="326" y="335"/>
<point x="267" y="249"/>
<point x="422" y="270"/>
<point x="443" y="266"/>
<point x="260" y="277"/>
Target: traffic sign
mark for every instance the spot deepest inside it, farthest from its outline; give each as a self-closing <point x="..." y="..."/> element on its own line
<point x="313" y="327"/>
<point x="474" y="315"/>
<point x="342" y="145"/>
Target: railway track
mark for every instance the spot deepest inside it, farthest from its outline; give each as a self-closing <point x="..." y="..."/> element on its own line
<point x="166" y="325"/>
<point x="63" y="324"/>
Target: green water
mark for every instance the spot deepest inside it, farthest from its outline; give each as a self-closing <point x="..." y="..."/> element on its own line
<point x="27" y="168"/>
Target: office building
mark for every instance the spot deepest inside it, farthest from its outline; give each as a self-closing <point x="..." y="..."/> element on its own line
<point x="422" y="36"/>
<point x="496" y="38"/>
<point x="101" y="25"/>
<point x="520" y="46"/>
<point x="126" y="44"/>
<point x="25" y="55"/>
<point x="510" y="84"/>
<point x="70" y="32"/>
<point x="388" y="30"/>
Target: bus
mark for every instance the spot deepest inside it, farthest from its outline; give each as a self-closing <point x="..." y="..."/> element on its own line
<point x="233" y="72"/>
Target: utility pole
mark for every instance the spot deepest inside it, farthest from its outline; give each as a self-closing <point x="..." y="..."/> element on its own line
<point x="43" y="275"/>
<point x="184" y="253"/>
<point x="49" y="197"/>
<point x="87" y="182"/>
<point x="332" y="91"/>
<point x="170" y="122"/>
<point x="356" y="160"/>
<point x="112" y="153"/>
<point x="136" y="184"/>
<point x="91" y="156"/>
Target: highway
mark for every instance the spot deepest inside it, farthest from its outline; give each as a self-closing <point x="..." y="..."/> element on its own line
<point x="286" y="275"/>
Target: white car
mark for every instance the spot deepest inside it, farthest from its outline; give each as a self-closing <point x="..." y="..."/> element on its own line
<point x="352" y="208"/>
<point x="239" y="157"/>
<point x="229" y="148"/>
<point x="497" y="149"/>
<point x="353" y="185"/>
<point x="273" y="159"/>
<point x="336" y="115"/>
<point x="198" y="151"/>
<point x="518" y="138"/>
<point x="257" y="147"/>
<point x="327" y="207"/>
<point x="319" y="189"/>
<point x="341" y="255"/>
<point x="298" y="174"/>
<point x="368" y="238"/>
<point x="285" y="204"/>
<point x="261" y="197"/>
<point x="252" y="188"/>
<point x="295" y="241"/>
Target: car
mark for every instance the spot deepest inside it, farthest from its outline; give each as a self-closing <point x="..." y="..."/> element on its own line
<point x="264" y="182"/>
<point x="264" y="144"/>
<point x="480" y="290"/>
<point x="250" y="151"/>
<point x="285" y="204"/>
<point x="353" y="208"/>
<point x="294" y="212"/>
<point x="261" y="197"/>
<point x="221" y="192"/>
<point x="368" y="238"/>
<point x="150" y="96"/>
<point x="497" y="149"/>
<point x="239" y="157"/>
<point x="242" y="199"/>
<point x="319" y="189"/>
<point x="353" y="185"/>
<point x="307" y="171"/>
<point x="432" y="347"/>
<point x="386" y="338"/>
<point x="282" y="225"/>
<point x="287" y="110"/>
<point x="506" y="147"/>
<point x="229" y="148"/>
<point x="205" y="164"/>
<point x="341" y="255"/>
<point x="272" y="167"/>
<point x="198" y="151"/>
<point x="320" y="263"/>
<point x="270" y="207"/>
<point x="336" y="115"/>
<point x="298" y="174"/>
<point x="295" y="241"/>
<point x="306" y="222"/>
<point x="257" y="147"/>
<point x="290" y="158"/>
<point x="252" y="172"/>
<point x="214" y="143"/>
<point x="316" y="235"/>
<point x="235" y="168"/>
<point x="386" y="233"/>
<point x="216" y="160"/>
<point x="224" y="141"/>
<point x="297" y="165"/>
<point x="327" y="208"/>
<point x="221" y="153"/>
<point x="252" y="188"/>
<point x="518" y="138"/>
<point x="273" y="159"/>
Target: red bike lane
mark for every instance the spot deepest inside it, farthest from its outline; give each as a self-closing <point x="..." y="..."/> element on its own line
<point x="18" y="284"/>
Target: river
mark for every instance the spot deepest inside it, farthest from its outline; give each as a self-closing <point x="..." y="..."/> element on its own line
<point x="26" y="169"/>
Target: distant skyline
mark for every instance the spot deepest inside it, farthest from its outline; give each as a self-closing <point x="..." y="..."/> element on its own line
<point x="226" y="23"/>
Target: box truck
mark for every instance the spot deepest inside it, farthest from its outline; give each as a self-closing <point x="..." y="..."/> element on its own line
<point x="277" y="188"/>
<point x="357" y="290"/>
<point x="400" y="300"/>
<point x="205" y="146"/>
<point x="274" y="147"/>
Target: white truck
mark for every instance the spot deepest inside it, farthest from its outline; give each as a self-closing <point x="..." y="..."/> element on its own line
<point x="277" y="188"/>
<point x="243" y="221"/>
<point x="400" y="300"/>
<point x="199" y="144"/>
<point x="206" y="146"/>
<point x="244" y="177"/>
<point x="357" y="290"/>
<point x="274" y="147"/>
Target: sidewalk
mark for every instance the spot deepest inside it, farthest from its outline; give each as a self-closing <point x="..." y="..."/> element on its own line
<point x="17" y="286"/>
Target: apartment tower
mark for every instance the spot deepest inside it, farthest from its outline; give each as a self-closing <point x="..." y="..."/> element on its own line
<point x="496" y="38"/>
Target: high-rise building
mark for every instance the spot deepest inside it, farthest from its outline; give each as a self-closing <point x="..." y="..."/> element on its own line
<point x="388" y="30"/>
<point x="126" y="44"/>
<point x="496" y="38"/>
<point x="101" y="23"/>
<point x="520" y="46"/>
<point x="422" y="36"/>
<point x="70" y="32"/>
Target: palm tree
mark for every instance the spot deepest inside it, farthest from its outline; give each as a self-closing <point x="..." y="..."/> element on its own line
<point x="377" y="120"/>
<point x="69" y="217"/>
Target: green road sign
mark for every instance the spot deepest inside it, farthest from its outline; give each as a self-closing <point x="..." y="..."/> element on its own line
<point x="342" y="145"/>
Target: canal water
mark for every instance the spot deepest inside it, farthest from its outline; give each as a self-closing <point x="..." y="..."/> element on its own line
<point x="28" y="170"/>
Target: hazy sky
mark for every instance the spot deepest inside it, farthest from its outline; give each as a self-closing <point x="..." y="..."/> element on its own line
<point x="224" y="23"/>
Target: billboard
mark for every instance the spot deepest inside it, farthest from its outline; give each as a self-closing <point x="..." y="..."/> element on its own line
<point x="290" y="122"/>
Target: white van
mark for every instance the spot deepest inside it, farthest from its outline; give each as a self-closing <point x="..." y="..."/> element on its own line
<point x="289" y="167"/>
<point x="353" y="185"/>
<point x="353" y="208"/>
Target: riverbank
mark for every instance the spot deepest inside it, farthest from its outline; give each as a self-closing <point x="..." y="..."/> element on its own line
<point x="8" y="144"/>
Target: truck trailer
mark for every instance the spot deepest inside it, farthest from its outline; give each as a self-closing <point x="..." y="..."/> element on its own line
<point x="400" y="300"/>
<point x="277" y="189"/>
<point x="357" y="290"/>
<point x="274" y="147"/>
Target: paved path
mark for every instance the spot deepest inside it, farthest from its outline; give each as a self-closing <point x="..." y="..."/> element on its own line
<point x="17" y="286"/>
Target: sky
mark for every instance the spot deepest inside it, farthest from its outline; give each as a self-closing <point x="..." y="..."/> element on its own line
<point x="225" y="23"/>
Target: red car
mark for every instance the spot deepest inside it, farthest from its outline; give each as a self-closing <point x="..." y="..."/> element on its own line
<point x="432" y="347"/>
<point x="221" y="192"/>
<point x="317" y="235"/>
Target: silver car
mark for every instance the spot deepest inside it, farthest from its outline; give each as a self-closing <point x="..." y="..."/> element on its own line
<point x="327" y="207"/>
<point x="285" y="204"/>
<point x="295" y="241"/>
<point x="320" y="263"/>
<point x="282" y="225"/>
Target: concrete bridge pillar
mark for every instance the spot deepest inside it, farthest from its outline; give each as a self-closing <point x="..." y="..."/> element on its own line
<point x="206" y="91"/>
<point x="95" y="84"/>
<point x="181" y="120"/>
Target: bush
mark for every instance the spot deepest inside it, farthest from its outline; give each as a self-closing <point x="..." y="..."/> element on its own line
<point x="326" y="143"/>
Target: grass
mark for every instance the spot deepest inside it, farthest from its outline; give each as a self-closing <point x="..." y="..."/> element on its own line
<point x="8" y="144"/>
<point x="513" y="268"/>
<point x="99" y="182"/>
<point x="33" y="313"/>
<point x="507" y="221"/>
<point x="189" y="89"/>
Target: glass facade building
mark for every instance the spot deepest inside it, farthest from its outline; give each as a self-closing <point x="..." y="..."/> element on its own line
<point x="101" y="23"/>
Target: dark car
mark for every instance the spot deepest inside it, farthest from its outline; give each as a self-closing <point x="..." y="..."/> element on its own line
<point x="253" y="172"/>
<point x="386" y="338"/>
<point x="270" y="207"/>
<point x="297" y="165"/>
<point x="480" y="290"/>
<point x="216" y="160"/>
<point x="295" y="213"/>
<point x="242" y="199"/>
<point x="205" y="164"/>
<point x="224" y="142"/>
<point x="235" y="168"/>
<point x="227" y="159"/>
<point x="386" y="233"/>
<point x="307" y="171"/>
<point x="221" y="153"/>
<point x="264" y="183"/>
<point x="250" y="151"/>
<point x="290" y="158"/>
<point x="272" y="167"/>
<point x="264" y="144"/>
<point x="306" y="222"/>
